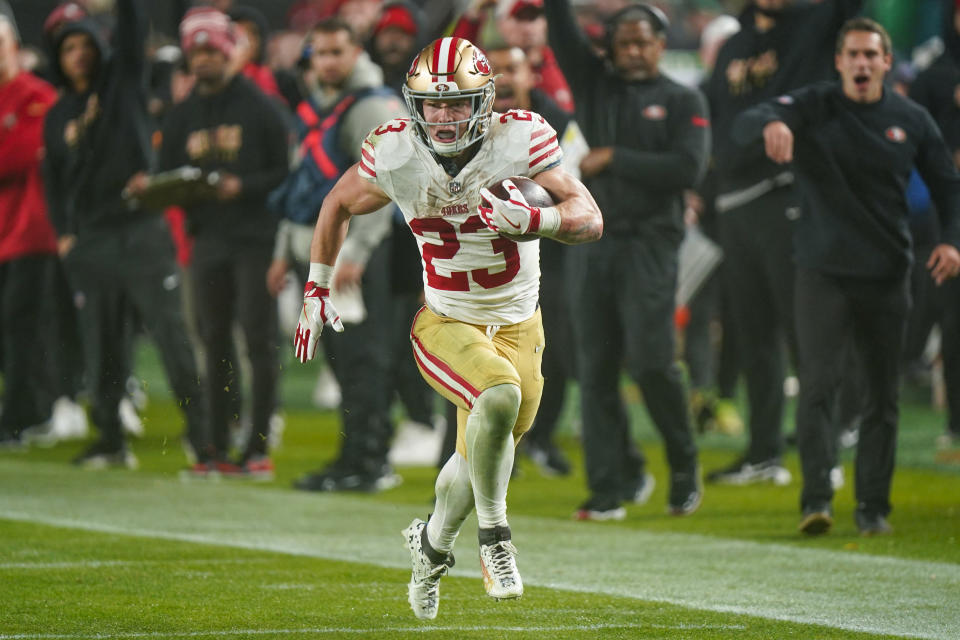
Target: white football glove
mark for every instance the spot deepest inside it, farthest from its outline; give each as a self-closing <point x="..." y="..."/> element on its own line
<point x="317" y="311"/>
<point x="513" y="217"/>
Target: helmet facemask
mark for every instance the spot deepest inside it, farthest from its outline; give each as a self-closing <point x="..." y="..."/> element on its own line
<point x="476" y="125"/>
<point x="450" y="69"/>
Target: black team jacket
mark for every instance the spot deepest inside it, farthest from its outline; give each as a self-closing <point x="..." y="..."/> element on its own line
<point x="753" y="66"/>
<point x="853" y="162"/>
<point x="659" y="130"/>
<point x="240" y="131"/>
<point x="97" y="139"/>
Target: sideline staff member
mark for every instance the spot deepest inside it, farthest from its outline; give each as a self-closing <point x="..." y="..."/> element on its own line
<point x="649" y="139"/>
<point x="854" y="145"/>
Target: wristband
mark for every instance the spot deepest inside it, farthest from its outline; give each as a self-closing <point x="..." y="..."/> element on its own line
<point x="320" y="274"/>
<point x="549" y="221"/>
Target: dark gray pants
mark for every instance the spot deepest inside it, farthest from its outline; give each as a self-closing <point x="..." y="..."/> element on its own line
<point x="360" y="358"/>
<point x="229" y="285"/>
<point x="27" y="341"/>
<point x="132" y="264"/>
<point x="757" y="242"/>
<point x="833" y="312"/>
<point x="622" y="303"/>
<point x="558" y="365"/>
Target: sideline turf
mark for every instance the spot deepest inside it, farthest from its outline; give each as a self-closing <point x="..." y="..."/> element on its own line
<point x="60" y="582"/>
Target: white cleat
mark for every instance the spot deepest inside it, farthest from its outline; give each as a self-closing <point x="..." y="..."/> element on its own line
<point x="837" y="479"/>
<point x="499" y="567"/>
<point x="129" y="418"/>
<point x="423" y="592"/>
<point x="69" y="420"/>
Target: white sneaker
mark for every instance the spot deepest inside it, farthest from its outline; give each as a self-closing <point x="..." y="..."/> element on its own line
<point x="326" y="393"/>
<point x="837" y="479"/>
<point x="499" y="567"/>
<point x="278" y="423"/>
<point x="415" y="445"/>
<point x="40" y="435"/>
<point x="69" y="420"/>
<point x="129" y="418"/>
<point x="423" y="592"/>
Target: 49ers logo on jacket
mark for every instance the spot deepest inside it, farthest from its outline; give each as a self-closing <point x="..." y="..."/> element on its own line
<point x="654" y="112"/>
<point x="480" y="62"/>
<point x="895" y="134"/>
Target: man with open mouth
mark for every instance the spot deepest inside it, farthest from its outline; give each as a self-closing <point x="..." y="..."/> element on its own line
<point x="854" y="145"/>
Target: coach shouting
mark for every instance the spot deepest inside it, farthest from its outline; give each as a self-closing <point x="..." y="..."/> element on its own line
<point x="853" y="145"/>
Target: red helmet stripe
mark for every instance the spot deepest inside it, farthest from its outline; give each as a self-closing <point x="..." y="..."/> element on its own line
<point x="444" y="55"/>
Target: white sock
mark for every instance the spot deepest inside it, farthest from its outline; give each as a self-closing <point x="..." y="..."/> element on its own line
<point x="454" y="503"/>
<point x="489" y="436"/>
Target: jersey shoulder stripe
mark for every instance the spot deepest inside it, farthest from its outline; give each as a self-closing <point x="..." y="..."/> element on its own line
<point x="545" y="151"/>
<point x="385" y="147"/>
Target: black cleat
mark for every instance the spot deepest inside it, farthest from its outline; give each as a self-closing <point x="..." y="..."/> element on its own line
<point x="816" y="521"/>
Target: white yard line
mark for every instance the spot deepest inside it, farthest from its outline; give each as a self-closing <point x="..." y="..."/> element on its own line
<point x="844" y="590"/>
<point x="99" y="564"/>
<point x="376" y="631"/>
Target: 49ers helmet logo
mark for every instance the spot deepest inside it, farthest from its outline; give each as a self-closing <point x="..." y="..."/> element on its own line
<point x="413" y="65"/>
<point x="895" y="134"/>
<point x="480" y="62"/>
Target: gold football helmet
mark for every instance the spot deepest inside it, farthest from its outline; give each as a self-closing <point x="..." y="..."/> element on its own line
<point x="450" y="68"/>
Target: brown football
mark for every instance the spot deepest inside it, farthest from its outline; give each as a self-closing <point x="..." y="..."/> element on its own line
<point x="535" y="195"/>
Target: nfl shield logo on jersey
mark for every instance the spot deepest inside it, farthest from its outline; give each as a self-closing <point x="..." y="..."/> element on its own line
<point x="455" y="187"/>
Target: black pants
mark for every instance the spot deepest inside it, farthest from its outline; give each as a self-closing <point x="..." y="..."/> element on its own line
<point x="559" y="357"/>
<point x="112" y="268"/>
<point x="404" y="378"/>
<point x="406" y="292"/>
<point x="833" y="312"/>
<point x="936" y="305"/>
<point x="621" y="293"/>
<point x="27" y="341"/>
<point x="360" y="358"/>
<point x="759" y="272"/>
<point x="229" y="281"/>
<point x="950" y="348"/>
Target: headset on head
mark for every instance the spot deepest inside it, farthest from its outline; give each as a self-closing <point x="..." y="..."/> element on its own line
<point x="657" y="19"/>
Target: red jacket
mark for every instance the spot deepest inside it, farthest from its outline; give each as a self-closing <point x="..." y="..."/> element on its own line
<point x="24" y="226"/>
<point x="550" y="80"/>
<point x="263" y="77"/>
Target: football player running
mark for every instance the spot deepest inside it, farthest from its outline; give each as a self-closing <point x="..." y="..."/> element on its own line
<point x="478" y="340"/>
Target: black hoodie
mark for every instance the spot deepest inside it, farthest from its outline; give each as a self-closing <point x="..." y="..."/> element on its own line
<point x="754" y="66"/>
<point x="97" y="139"/>
<point x="239" y="131"/>
<point x="937" y="88"/>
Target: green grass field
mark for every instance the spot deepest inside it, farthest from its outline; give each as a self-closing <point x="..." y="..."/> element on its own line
<point x="144" y="554"/>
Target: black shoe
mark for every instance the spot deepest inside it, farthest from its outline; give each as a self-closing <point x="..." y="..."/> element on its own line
<point x="817" y="520"/>
<point x="102" y="455"/>
<point x="743" y="472"/>
<point x="599" y="509"/>
<point x="332" y="478"/>
<point x="872" y="524"/>
<point x="339" y="478"/>
<point x="686" y="493"/>
<point x="549" y="458"/>
<point x="10" y="442"/>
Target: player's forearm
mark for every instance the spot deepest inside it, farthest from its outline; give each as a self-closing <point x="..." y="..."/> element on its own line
<point x="580" y="221"/>
<point x="329" y="233"/>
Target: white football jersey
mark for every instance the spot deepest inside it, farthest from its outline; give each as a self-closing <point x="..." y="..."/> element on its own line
<point x="470" y="273"/>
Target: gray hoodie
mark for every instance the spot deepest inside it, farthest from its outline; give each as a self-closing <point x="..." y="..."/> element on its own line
<point x="368" y="231"/>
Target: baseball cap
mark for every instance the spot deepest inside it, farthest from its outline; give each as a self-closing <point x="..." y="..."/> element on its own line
<point x="525" y="9"/>
<point x="397" y="16"/>
<point x="206" y="26"/>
